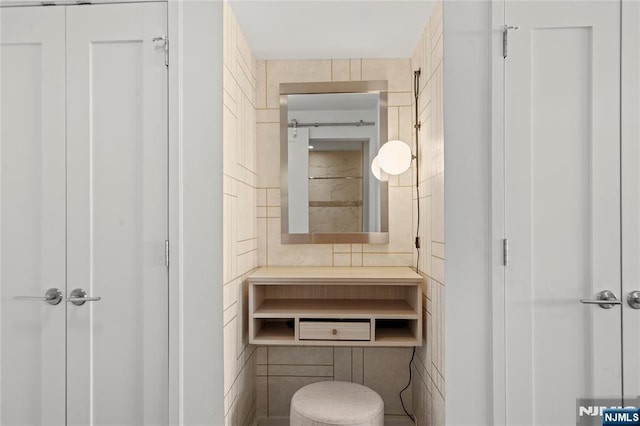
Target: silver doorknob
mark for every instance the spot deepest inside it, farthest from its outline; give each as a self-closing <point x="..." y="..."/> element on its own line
<point x="633" y="299"/>
<point x="53" y="296"/>
<point x="79" y="297"/>
<point x="606" y="299"/>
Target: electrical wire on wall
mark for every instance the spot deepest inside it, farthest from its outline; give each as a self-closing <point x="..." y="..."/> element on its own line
<point x="416" y="126"/>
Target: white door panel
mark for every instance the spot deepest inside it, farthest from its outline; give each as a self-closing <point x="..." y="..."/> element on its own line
<point x="105" y="233"/>
<point x="117" y="214"/>
<point x="562" y="207"/>
<point x="32" y="216"/>
<point x="631" y="194"/>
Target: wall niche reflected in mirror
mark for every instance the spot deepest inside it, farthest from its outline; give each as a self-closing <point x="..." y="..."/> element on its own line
<point x="329" y="134"/>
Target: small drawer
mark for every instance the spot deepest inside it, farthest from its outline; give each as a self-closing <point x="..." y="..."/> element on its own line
<point x="321" y="330"/>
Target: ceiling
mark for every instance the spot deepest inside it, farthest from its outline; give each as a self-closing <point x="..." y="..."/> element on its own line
<point x="313" y="29"/>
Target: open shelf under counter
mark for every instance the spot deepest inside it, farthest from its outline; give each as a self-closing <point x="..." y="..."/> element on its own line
<point x="360" y="306"/>
<point x="335" y="308"/>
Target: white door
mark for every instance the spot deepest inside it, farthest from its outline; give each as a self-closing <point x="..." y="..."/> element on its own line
<point x="631" y="198"/>
<point x="117" y="348"/>
<point x="32" y="215"/>
<point x="84" y="206"/>
<point x="562" y="139"/>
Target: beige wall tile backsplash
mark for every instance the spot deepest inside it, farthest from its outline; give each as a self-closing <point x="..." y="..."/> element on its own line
<point x="286" y="369"/>
<point x="270" y="74"/>
<point x="241" y="227"/>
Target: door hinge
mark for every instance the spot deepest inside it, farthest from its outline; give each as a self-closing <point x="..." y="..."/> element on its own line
<point x="505" y="252"/>
<point x="505" y="36"/>
<point x="165" y="43"/>
<point x="166" y="253"/>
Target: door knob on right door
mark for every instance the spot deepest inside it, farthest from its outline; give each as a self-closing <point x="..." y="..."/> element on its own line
<point x="78" y="297"/>
<point x="606" y="299"/>
<point x="633" y="299"/>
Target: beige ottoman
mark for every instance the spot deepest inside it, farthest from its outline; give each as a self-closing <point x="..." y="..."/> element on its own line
<point x="336" y="403"/>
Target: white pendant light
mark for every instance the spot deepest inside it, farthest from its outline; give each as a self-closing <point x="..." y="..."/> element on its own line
<point x="377" y="171"/>
<point x="394" y="157"/>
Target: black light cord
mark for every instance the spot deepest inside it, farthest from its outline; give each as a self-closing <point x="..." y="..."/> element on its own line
<point x="411" y="416"/>
<point x="417" y="125"/>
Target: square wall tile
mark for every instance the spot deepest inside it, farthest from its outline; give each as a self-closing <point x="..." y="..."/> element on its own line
<point x="427" y="68"/>
<point x="273" y="197"/>
<point x="268" y="116"/>
<point x="386" y="370"/>
<point x="437" y="249"/>
<point x="261" y="197"/>
<point x="230" y="138"/>
<point x="342" y="259"/>
<point x="281" y="390"/>
<point x="400" y="223"/>
<point x="307" y="355"/>
<point x="437" y="415"/>
<point x="262" y="241"/>
<point x="268" y="152"/>
<point x="281" y="71"/>
<point x="437" y="209"/>
<point x="392" y="123"/>
<point x="262" y="395"/>
<point x="230" y="336"/>
<point x="261" y="355"/>
<point x="279" y="254"/>
<point x="273" y="212"/>
<point x="301" y="370"/>
<point x="355" y="69"/>
<point x="405" y="124"/>
<point x="246" y="213"/>
<point x="396" y="99"/>
<point x="418" y="391"/>
<point x="342" y="248"/>
<point x="340" y="70"/>
<point x="396" y="71"/>
<point x="387" y="259"/>
<point x="342" y="364"/>
<point x="261" y="84"/>
<point x="357" y="365"/>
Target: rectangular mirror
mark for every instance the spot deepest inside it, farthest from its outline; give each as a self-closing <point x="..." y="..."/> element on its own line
<point x="329" y="134"/>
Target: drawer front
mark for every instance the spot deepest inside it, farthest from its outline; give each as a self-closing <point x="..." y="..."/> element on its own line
<point x="312" y="330"/>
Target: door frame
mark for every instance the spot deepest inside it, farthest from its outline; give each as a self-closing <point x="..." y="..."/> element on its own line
<point x="497" y="269"/>
<point x="196" y="367"/>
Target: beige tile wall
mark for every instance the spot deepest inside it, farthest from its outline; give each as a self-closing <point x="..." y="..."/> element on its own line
<point x="281" y="371"/>
<point x="270" y="251"/>
<point x="428" y="386"/>
<point x="240" y="228"/>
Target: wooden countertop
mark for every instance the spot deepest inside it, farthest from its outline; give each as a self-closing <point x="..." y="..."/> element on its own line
<point x="371" y="274"/>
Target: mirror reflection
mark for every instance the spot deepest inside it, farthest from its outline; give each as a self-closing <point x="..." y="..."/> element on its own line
<point x="329" y="191"/>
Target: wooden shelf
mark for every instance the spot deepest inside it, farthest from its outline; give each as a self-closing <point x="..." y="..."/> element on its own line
<point x="385" y="302"/>
<point x="275" y="331"/>
<point x="329" y="275"/>
<point x="335" y="308"/>
<point x="394" y="335"/>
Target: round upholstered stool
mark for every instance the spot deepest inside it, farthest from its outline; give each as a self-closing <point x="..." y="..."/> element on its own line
<point x="336" y="403"/>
